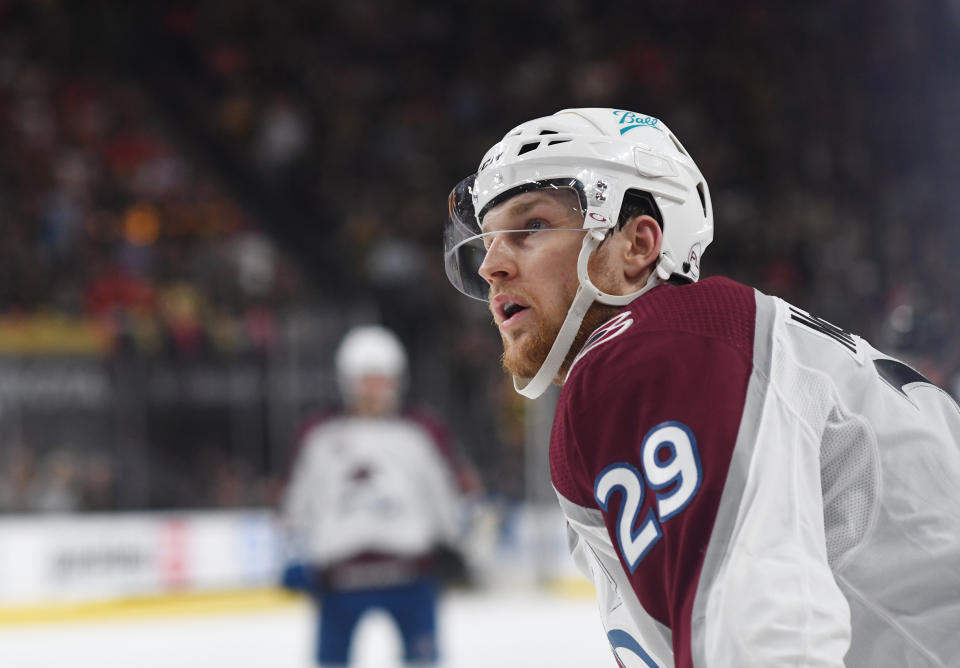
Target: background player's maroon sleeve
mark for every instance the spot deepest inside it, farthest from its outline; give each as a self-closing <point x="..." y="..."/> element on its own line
<point x="468" y="481"/>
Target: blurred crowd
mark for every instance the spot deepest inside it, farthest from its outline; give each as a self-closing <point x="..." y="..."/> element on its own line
<point x="105" y="216"/>
<point x="59" y="481"/>
<point x="182" y="171"/>
<point x="70" y="479"/>
<point x="827" y="133"/>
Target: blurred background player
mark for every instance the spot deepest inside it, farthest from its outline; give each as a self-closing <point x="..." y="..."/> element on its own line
<point x="374" y="505"/>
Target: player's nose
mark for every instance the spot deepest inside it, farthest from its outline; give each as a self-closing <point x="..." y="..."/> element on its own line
<point x="499" y="262"/>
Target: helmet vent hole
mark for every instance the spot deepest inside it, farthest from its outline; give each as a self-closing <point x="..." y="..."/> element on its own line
<point x="558" y="141"/>
<point x="676" y="142"/>
<point x="548" y="132"/>
<point x="526" y="148"/>
<point x="703" y="197"/>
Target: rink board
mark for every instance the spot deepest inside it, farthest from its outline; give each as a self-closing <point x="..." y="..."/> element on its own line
<point x="102" y="566"/>
<point x="83" y="558"/>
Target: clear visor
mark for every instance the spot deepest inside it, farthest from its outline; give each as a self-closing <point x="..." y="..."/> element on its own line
<point x="468" y="237"/>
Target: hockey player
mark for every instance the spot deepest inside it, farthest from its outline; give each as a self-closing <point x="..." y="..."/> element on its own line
<point x="745" y="483"/>
<point x="373" y="504"/>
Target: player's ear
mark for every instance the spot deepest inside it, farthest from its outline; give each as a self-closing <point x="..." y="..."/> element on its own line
<point x="643" y="238"/>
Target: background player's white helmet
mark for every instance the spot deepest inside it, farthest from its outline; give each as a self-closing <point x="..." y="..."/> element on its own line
<point x="369" y="350"/>
<point x="604" y="155"/>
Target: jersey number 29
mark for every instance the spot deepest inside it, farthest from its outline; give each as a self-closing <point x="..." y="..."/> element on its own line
<point x="671" y="467"/>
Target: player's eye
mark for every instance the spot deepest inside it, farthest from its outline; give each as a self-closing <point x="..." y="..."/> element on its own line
<point x="535" y="225"/>
<point x="515" y="237"/>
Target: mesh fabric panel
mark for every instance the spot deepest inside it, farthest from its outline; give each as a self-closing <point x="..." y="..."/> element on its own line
<point x="848" y="473"/>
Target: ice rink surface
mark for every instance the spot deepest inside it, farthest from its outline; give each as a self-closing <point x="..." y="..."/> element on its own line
<point x="478" y="630"/>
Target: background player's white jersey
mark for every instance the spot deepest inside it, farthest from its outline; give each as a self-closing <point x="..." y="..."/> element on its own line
<point x="377" y="485"/>
<point x="779" y="493"/>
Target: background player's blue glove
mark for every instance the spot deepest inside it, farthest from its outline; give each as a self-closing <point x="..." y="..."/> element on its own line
<point x="298" y="576"/>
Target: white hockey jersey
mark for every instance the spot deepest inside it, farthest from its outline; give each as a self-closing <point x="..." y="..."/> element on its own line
<point x="371" y="485"/>
<point x="749" y="485"/>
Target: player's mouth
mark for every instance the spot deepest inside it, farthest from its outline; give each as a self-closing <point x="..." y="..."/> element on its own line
<point x="508" y="311"/>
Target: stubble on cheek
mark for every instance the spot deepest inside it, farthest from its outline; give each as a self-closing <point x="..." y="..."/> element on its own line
<point x="524" y="357"/>
<point x="525" y="353"/>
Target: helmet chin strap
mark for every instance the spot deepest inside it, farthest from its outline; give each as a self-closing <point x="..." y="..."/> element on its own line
<point x="587" y="293"/>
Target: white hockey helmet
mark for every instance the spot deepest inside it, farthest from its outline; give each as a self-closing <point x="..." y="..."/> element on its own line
<point x="369" y="350"/>
<point x="603" y="154"/>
